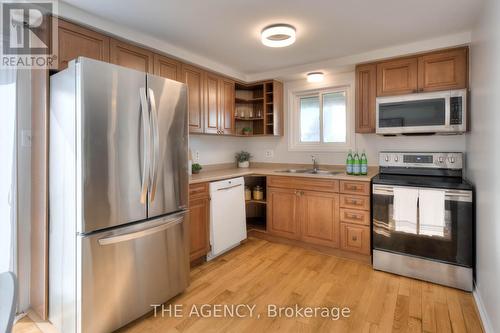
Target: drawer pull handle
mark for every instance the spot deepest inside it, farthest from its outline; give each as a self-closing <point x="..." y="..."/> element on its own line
<point x="354" y="216"/>
<point x="353" y="202"/>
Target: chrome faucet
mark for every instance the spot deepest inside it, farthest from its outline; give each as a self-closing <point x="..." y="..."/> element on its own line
<point x="315" y="164"/>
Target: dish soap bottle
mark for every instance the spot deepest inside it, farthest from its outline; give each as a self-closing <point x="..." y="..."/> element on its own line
<point x="364" y="164"/>
<point x="356" y="169"/>
<point x="349" y="163"/>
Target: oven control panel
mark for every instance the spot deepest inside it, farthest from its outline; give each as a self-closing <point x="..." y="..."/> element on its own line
<point x="421" y="160"/>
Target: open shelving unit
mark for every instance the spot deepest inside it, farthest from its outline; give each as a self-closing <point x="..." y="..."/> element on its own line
<point x="256" y="108"/>
<point x="256" y="210"/>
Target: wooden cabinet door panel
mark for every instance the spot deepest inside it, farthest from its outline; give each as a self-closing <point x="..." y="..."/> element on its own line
<point x="320" y="218"/>
<point x="75" y="41"/>
<point x="199" y="217"/>
<point x="131" y="56"/>
<point x="282" y="213"/>
<point x="212" y="104"/>
<point x="226" y="121"/>
<point x="167" y="68"/>
<point x="443" y="70"/>
<point x="396" y="77"/>
<point x="366" y="91"/>
<point x="193" y="77"/>
<point x="355" y="238"/>
<point x="278" y="108"/>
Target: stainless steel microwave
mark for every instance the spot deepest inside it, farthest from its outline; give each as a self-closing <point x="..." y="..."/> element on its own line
<point x="432" y="112"/>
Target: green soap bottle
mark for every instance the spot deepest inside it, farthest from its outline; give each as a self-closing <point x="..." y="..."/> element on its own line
<point x="364" y="164"/>
<point x="349" y="163"/>
<point x="356" y="170"/>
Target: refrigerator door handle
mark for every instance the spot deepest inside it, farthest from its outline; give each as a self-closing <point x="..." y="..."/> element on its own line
<point x="156" y="143"/>
<point x="146" y="144"/>
<point x="141" y="233"/>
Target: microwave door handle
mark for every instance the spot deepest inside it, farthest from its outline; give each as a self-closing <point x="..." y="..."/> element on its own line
<point x="146" y="144"/>
<point x="447" y="111"/>
<point x="156" y="144"/>
<point x="139" y="234"/>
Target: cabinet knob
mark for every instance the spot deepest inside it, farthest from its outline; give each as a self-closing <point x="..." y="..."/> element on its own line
<point x="354" y="238"/>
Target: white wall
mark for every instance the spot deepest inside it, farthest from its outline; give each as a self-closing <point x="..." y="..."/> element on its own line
<point x="221" y="149"/>
<point x="484" y="159"/>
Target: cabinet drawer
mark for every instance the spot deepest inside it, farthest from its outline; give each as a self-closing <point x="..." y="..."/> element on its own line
<point x="199" y="190"/>
<point x="355" y="238"/>
<point x="354" y="187"/>
<point x="302" y="183"/>
<point x="355" y="201"/>
<point x="355" y="216"/>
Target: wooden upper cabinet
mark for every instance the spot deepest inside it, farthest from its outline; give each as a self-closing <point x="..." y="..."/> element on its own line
<point x="226" y="114"/>
<point x="194" y="78"/>
<point x="167" y="68"/>
<point x="366" y="93"/>
<point x="212" y="104"/>
<point x="75" y="41"/>
<point x="396" y="77"/>
<point x="131" y="56"/>
<point x="320" y="218"/>
<point x="443" y="70"/>
<point x="282" y="212"/>
<point x="277" y="108"/>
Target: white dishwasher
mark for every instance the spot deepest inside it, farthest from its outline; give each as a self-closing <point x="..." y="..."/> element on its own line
<point x="227" y="215"/>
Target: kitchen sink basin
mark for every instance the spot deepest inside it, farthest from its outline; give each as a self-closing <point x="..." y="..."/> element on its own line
<point x="311" y="171"/>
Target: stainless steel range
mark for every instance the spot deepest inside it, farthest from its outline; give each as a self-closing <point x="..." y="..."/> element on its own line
<point x="423" y="225"/>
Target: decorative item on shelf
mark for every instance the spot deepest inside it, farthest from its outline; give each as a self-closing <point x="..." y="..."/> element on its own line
<point x="243" y="159"/>
<point x="196" y="168"/>
<point x="242" y="113"/>
<point x="258" y="193"/>
<point x="246" y="131"/>
<point x="259" y="113"/>
<point x="248" y="193"/>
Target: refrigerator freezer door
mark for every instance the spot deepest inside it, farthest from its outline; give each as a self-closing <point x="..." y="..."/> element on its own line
<point x="112" y="141"/>
<point x="169" y="154"/>
<point x="125" y="271"/>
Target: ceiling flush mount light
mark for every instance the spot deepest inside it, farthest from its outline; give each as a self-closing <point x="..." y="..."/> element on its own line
<point x="314" y="77"/>
<point x="278" y="35"/>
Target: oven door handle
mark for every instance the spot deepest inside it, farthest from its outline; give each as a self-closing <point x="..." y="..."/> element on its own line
<point x="450" y="195"/>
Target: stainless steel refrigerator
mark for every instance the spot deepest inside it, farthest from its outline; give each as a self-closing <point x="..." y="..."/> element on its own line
<point x="118" y="195"/>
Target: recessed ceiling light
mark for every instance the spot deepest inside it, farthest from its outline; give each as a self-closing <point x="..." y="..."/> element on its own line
<point x="278" y="35"/>
<point x="315" y="77"/>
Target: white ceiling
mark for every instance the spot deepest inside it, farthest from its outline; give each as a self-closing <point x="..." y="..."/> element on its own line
<point x="228" y="31"/>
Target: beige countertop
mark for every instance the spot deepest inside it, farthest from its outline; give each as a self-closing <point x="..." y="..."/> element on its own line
<point x="225" y="171"/>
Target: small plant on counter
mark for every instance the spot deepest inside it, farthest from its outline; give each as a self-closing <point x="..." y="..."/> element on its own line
<point x="246" y="131"/>
<point x="196" y="168"/>
<point x="243" y="159"/>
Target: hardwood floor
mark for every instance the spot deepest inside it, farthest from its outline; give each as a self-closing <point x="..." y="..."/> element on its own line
<point x="26" y="325"/>
<point x="261" y="273"/>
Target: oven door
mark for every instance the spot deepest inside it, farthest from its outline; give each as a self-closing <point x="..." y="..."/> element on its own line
<point x="454" y="247"/>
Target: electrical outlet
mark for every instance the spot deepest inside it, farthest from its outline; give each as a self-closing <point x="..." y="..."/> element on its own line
<point x="197" y="156"/>
<point x="26" y="138"/>
<point x="269" y="153"/>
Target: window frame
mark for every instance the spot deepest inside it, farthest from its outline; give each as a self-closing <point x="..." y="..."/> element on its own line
<point x="295" y="143"/>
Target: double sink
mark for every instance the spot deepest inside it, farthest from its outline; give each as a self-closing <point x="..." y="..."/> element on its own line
<point x="312" y="171"/>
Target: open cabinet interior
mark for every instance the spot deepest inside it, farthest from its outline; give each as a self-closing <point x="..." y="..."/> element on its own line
<point x="256" y="202"/>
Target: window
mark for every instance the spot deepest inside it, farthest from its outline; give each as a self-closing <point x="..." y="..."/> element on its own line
<point x="321" y="120"/>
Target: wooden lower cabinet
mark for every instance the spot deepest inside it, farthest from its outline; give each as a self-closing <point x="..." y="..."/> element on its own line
<point x="282" y="212"/>
<point x="199" y="221"/>
<point x="355" y="238"/>
<point x="320" y="218"/>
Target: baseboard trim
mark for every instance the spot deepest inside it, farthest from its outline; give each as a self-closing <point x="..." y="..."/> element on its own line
<point x="485" y="321"/>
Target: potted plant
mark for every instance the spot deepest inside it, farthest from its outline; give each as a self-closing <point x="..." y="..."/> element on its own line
<point x="243" y="159"/>
<point x="196" y="168"/>
<point x="246" y="131"/>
